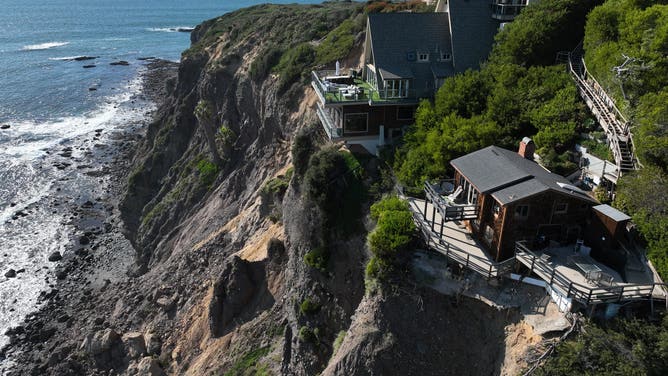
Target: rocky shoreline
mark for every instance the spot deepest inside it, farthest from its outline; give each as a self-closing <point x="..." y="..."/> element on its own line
<point x="98" y="256"/>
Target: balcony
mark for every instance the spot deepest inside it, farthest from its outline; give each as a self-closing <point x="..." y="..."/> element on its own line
<point x="331" y="129"/>
<point x="447" y="202"/>
<point x="507" y="10"/>
<point x="346" y="89"/>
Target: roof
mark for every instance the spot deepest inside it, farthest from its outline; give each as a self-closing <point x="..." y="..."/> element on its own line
<point x="473" y="31"/>
<point x="395" y="36"/>
<point x="508" y="177"/>
<point x="612" y="213"/>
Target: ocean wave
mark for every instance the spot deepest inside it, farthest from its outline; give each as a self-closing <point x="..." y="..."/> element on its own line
<point x="73" y="58"/>
<point x="43" y="46"/>
<point x="185" y="29"/>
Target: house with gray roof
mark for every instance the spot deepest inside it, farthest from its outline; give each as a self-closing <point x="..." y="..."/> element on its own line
<point x="407" y="57"/>
<point x="515" y="198"/>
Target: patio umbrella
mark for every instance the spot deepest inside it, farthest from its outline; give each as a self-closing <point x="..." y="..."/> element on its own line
<point x="338" y="68"/>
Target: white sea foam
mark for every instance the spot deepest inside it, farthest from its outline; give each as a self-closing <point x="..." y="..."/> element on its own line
<point x="67" y="58"/>
<point x="43" y="46"/>
<point x="30" y="140"/>
<point x="170" y="29"/>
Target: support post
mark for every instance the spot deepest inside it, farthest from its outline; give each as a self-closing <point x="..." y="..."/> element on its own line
<point x="442" y="223"/>
<point x="433" y="217"/>
<point x="426" y="200"/>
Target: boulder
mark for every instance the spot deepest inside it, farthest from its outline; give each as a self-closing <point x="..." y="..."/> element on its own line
<point x="120" y="62"/>
<point x="55" y="256"/>
<point x="167" y="304"/>
<point x="135" y="345"/>
<point x="4" y="126"/>
<point x="153" y="344"/>
<point x="100" y="342"/>
<point x="84" y="240"/>
<point x="11" y="273"/>
<point x="89" y="66"/>
<point x="149" y="366"/>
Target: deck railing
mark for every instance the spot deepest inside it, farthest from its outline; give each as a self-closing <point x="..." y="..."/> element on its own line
<point x="448" y="209"/>
<point x="576" y="291"/>
<point x="483" y="266"/>
<point x="364" y="93"/>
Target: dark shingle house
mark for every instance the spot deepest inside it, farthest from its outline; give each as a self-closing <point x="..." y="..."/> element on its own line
<point x="517" y="199"/>
<point x="407" y="57"/>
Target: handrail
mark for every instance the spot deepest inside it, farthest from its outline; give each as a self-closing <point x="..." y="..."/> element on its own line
<point x="480" y="265"/>
<point x="577" y="291"/>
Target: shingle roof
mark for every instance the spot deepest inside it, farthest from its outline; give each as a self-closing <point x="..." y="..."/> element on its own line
<point x="473" y="31"/>
<point x="508" y="177"/>
<point x="396" y="35"/>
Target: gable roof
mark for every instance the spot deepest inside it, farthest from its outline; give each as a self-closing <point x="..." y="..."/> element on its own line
<point x="509" y="177"/>
<point x="395" y="35"/>
<point x="473" y="31"/>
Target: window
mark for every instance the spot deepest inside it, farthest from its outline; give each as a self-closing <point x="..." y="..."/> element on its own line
<point x="445" y="56"/>
<point x="521" y="211"/>
<point x="423" y="56"/>
<point x="496" y="208"/>
<point x="396" y="88"/>
<point x="356" y="123"/>
<point x="405" y="113"/>
<point x="561" y="208"/>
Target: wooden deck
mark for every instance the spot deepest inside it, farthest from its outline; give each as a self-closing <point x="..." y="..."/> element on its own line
<point x="555" y="266"/>
<point x="453" y="240"/>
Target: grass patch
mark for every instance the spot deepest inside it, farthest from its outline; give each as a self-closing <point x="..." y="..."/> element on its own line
<point x="248" y="363"/>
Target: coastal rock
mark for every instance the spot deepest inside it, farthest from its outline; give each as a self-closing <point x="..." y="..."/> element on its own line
<point x="120" y="62"/>
<point x="89" y="66"/>
<point x="83" y="58"/>
<point x="149" y="366"/>
<point x="84" y="240"/>
<point x="5" y="126"/>
<point x="100" y="342"/>
<point x="11" y="273"/>
<point x="153" y="344"/>
<point x="135" y="345"/>
<point x="167" y="304"/>
<point x="55" y="256"/>
<point x="185" y="29"/>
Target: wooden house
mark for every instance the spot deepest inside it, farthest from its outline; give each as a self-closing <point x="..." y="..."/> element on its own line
<point x="517" y="199"/>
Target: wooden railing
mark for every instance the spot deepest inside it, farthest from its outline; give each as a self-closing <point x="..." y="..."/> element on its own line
<point x="611" y="119"/>
<point x="581" y="293"/>
<point x="448" y="210"/>
<point x="483" y="266"/>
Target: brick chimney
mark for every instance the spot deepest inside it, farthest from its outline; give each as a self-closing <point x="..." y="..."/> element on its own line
<point x="527" y="148"/>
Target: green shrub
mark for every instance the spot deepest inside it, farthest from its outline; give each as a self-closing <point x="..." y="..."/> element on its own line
<point x="295" y="64"/>
<point x="307" y="335"/>
<point x="302" y="149"/>
<point x="317" y="258"/>
<point x="208" y="171"/>
<point x="263" y="64"/>
<point x="388" y="203"/>
<point x="309" y="307"/>
<point x="392" y="234"/>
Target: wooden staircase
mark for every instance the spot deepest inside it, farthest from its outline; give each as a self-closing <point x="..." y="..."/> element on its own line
<point x="612" y="121"/>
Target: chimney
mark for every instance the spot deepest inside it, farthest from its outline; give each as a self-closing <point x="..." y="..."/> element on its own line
<point x="527" y="148"/>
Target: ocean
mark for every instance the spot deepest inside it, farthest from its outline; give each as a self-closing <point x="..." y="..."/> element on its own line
<point x="58" y="111"/>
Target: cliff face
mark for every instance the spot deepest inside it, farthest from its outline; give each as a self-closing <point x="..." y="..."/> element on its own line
<point x="224" y="282"/>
